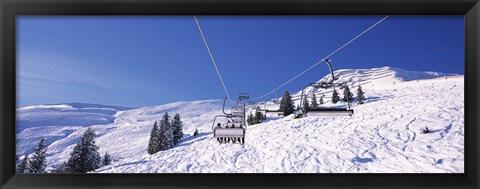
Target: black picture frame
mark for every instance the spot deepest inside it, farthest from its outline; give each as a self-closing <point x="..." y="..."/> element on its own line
<point x="9" y="9"/>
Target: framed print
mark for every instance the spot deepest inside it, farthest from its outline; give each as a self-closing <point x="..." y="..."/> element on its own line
<point x="239" y="94"/>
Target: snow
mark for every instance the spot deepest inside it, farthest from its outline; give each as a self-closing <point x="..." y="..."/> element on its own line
<point x="72" y="114"/>
<point x="374" y="77"/>
<point x="382" y="136"/>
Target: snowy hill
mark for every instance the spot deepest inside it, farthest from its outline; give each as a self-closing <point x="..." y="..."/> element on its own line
<point x="56" y="121"/>
<point x="382" y="136"/>
<point x="71" y="114"/>
<point x="124" y="134"/>
<point x="383" y="75"/>
<point x="372" y="78"/>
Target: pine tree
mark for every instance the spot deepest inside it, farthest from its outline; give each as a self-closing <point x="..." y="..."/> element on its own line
<point x="258" y="118"/>
<point x="321" y="100"/>
<point x="168" y="130"/>
<point x="162" y="139"/>
<point x="335" y="97"/>
<point x="250" y="119"/>
<point x="38" y="162"/>
<point x="177" y="129"/>
<point x="347" y="95"/>
<point x="106" y="159"/>
<point x="424" y="130"/>
<point x="360" y="95"/>
<point x="154" y="141"/>
<point x="306" y="104"/>
<point x="286" y="104"/>
<point x="195" y="133"/>
<point x="314" y="104"/>
<point x="23" y="166"/>
<point x="85" y="156"/>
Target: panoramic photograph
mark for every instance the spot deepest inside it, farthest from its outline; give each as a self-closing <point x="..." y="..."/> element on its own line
<point x="240" y="94"/>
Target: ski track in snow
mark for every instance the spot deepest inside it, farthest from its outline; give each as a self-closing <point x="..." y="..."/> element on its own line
<point x="383" y="136"/>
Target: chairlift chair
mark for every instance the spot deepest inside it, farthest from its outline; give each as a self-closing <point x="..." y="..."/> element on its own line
<point x="329" y="112"/>
<point x="232" y="128"/>
<point x="267" y="112"/>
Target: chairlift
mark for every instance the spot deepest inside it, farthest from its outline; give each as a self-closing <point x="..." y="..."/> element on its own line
<point x="324" y="111"/>
<point x="267" y="112"/>
<point x="232" y="127"/>
<point x="276" y="100"/>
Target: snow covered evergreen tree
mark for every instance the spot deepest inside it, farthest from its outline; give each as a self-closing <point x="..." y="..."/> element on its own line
<point x="162" y="139"/>
<point x="286" y="104"/>
<point x="347" y="95"/>
<point x="107" y="159"/>
<point x="306" y="104"/>
<point x="335" y="97"/>
<point x="424" y="130"/>
<point x="360" y="95"/>
<point x="154" y="141"/>
<point x="250" y="119"/>
<point x="314" y="104"/>
<point x="85" y="156"/>
<point x="168" y="130"/>
<point x="38" y="162"/>
<point x="177" y="128"/>
<point x="321" y="100"/>
<point x="23" y="166"/>
<point x="195" y="133"/>
<point x="258" y="118"/>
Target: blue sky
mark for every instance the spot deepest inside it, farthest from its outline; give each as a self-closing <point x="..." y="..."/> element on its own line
<point x="152" y="60"/>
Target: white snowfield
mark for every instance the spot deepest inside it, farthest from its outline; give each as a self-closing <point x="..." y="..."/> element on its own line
<point x="383" y="135"/>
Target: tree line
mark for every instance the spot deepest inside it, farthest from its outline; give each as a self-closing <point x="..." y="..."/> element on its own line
<point x="84" y="157"/>
<point x="165" y="134"/>
<point x="287" y="106"/>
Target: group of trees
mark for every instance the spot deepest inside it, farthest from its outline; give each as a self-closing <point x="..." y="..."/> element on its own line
<point x="347" y="97"/>
<point x="37" y="163"/>
<point x="287" y="106"/>
<point x="255" y="119"/>
<point x="165" y="134"/>
<point x="84" y="157"/>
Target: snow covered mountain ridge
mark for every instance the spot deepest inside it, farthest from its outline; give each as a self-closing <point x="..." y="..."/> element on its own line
<point x="371" y="78"/>
<point x="382" y="136"/>
<point x="381" y="75"/>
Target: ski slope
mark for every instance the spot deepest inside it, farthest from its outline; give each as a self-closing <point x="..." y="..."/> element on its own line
<point x="383" y="136"/>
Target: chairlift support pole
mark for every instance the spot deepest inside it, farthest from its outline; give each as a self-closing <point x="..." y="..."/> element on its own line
<point x="325" y="85"/>
<point x="223" y="108"/>
<point x="331" y="69"/>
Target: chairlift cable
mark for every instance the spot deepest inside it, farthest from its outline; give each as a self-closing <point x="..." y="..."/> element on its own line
<point x="211" y="57"/>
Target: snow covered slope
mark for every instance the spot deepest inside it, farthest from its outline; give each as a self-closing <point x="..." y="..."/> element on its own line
<point x="374" y="78"/>
<point x="56" y="121"/>
<point x="384" y="75"/>
<point x="125" y="134"/>
<point x="382" y="136"/>
<point x="72" y="114"/>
